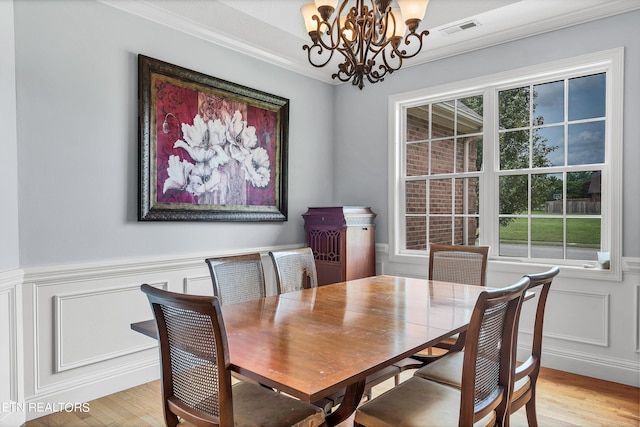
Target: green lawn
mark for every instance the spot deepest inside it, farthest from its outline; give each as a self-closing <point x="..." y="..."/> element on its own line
<point x="580" y="231"/>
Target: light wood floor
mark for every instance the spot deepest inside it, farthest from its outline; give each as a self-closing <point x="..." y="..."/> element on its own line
<point x="563" y="400"/>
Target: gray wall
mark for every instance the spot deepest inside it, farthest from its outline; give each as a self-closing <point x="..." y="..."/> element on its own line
<point x="361" y="150"/>
<point x="76" y="64"/>
<point x="8" y="143"/>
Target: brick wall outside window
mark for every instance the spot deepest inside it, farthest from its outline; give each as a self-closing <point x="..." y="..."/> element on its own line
<point x="442" y="159"/>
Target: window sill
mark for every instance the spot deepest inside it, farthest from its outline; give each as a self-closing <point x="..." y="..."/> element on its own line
<point x="518" y="266"/>
<point x="588" y="270"/>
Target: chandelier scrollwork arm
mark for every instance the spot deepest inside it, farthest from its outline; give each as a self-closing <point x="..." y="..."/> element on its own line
<point x="368" y="36"/>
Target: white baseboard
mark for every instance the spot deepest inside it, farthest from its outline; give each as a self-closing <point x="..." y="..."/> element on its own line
<point x="81" y="392"/>
<point x="590" y="365"/>
<point x="13" y="415"/>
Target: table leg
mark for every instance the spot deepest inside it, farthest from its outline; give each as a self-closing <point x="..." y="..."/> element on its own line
<point x="350" y="401"/>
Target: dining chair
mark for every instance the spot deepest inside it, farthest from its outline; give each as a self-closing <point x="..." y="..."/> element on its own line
<point x="448" y="369"/>
<point x="295" y="269"/>
<point x="458" y="264"/>
<point x="196" y="375"/>
<point x="237" y="278"/>
<point x="486" y="374"/>
<point x="526" y="374"/>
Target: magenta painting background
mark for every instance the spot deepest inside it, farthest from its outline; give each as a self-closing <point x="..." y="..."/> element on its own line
<point x="184" y="104"/>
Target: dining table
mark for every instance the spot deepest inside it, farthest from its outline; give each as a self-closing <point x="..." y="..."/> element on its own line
<point x="315" y="342"/>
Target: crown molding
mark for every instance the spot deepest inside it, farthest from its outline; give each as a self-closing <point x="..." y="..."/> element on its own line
<point x="151" y="12"/>
<point x="443" y="48"/>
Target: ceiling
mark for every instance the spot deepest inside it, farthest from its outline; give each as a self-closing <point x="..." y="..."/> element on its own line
<point x="273" y="31"/>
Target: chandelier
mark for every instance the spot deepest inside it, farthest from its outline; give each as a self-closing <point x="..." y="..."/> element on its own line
<point x="370" y="37"/>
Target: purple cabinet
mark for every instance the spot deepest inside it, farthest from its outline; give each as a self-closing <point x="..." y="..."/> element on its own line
<point x="342" y="240"/>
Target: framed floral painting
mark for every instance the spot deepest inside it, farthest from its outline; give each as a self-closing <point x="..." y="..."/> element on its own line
<point x="210" y="150"/>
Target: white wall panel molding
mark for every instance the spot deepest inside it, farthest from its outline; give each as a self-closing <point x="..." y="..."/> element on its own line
<point x="637" y="323"/>
<point x="43" y="276"/>
<point x="62" y="387"/>
<point x="631" y="265"/>
<point x="77" y="336"/>
<point x="580" y="314"/>
<point x="199" y="285"/>
<point x="80" y="343"/>
<point x="11" y="351"/>
<point x="52" y="275"/>
<point x="11" y="278"/>
<point x="589" y="326"/>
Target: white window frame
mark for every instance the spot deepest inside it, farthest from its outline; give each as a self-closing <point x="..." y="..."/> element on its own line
<point x="612" y="63"/>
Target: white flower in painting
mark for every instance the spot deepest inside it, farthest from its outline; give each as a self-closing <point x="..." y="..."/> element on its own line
<point x="217" y="135"/>
<point x="201" y="179"/>
<point x="257" y="167"/>
<point x="248" y="137"/>
<point x="235" y="126"/>
<point x="242" y="138"/>
<point x="204" y="141"/>
<point x="178" y="174"/>
<point x="209" y="185"/>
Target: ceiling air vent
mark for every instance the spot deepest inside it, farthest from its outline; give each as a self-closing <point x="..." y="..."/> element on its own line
<point x="459" y="27"/>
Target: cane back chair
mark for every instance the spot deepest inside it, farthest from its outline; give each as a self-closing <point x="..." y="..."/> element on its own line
<point x="458" y="264"/>
<point x="237" y="278"/>
<point x="486" y="372"/>
<point x="196" y="375"/>
<point x="295" y="269"/>
<point x="448" y="369"/>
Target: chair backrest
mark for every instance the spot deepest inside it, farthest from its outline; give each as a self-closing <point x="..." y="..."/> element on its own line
<point x="237" y="278"/>
<point x="531" y="366"/>
<point x="488" y="357"/>
<point x="458" y="264"/>
<point x="295" y="269"/>
<point x="196" y="379"/>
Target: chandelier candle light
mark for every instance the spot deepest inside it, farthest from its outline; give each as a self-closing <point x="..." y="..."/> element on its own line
<point x="370" y="35"/>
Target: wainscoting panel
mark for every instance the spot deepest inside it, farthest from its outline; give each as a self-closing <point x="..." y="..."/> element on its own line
<point x="78" y="344"/>
<point x="78" y="339"/>
<point x="200" y="285"/>
<point x="11" y="371"/>
<point x="637" y="324"/>
<point x="7" y="352"/>
<point x="108" y="333"/>
<point x="589" y="325"/>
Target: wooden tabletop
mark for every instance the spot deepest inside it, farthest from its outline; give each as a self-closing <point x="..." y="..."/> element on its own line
<point x="314" y="342"/>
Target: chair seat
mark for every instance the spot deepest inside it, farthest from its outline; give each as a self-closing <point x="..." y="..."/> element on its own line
<point x="254" y="406"/>
<point x="448" y="370"/>
<point x="416" y="403"/>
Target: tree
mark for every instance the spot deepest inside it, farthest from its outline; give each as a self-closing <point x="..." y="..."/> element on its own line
<point x="515" y="152"/>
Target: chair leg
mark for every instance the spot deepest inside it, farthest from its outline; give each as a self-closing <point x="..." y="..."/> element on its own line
<point x="396" y="380"/>
<point x="170" y="419"/>
<point x="532" y="417"/>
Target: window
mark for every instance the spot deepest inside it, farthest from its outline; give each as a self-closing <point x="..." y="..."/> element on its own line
<point x="551" y="143"/>
<point x="527" y="162"/>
